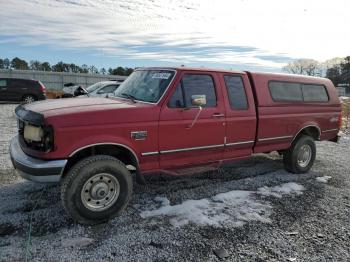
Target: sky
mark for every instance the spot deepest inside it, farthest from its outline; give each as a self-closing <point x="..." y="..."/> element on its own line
<point x="259" y="35"/>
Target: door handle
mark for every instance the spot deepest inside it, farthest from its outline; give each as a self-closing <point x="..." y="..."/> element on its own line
<point x="218" y="115"/>
<point x="24" y="88"/>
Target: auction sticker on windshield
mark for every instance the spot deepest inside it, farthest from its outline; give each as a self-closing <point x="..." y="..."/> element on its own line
<point x="161" y="75"/>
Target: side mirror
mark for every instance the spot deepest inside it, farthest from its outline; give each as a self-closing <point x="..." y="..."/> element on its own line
<point x="198" y="100"/>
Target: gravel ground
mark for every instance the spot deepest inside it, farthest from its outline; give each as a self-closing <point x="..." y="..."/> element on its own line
<point x="309" y="225"/>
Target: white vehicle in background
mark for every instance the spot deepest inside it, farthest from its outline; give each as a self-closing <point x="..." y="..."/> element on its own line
<point x="100" y="89"/>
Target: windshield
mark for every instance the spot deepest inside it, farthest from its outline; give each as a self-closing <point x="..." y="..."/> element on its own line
<point x="93" y="87"/>
<point x="145" y="85"/>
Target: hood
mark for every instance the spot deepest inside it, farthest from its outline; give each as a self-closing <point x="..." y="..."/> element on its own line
<point x="76" y="105"/>
<point x="91" y="111"/>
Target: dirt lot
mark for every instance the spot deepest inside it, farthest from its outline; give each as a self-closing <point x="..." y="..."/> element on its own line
<point x="253" y="210"/>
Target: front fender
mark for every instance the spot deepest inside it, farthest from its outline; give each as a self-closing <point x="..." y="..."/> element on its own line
<point x="102" y="140"/>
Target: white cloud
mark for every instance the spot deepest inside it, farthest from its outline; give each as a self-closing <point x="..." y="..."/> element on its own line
<point x="278" y="29"/>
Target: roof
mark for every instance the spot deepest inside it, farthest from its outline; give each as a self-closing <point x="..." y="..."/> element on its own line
<point x="286" y="75"/>
<point x="181" y="68"/>
<point x="289" y="77"/>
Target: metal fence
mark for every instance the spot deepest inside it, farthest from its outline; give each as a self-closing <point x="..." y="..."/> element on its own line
<point x="56" y="80"/>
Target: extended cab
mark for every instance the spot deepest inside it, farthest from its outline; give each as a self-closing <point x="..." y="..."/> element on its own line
<point x="163" y="120"/>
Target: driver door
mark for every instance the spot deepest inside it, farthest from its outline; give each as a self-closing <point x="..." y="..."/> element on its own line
<point x="182" y="140"/>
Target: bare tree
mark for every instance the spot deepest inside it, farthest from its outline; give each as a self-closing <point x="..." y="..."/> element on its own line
<point x="35" y="65"/>
<point x="308" y="67"/>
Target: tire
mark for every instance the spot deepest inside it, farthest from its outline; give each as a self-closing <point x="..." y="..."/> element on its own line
<point x="83" y="188"/>
<point x="28" y="99"/>
<point x="300" y="157"/>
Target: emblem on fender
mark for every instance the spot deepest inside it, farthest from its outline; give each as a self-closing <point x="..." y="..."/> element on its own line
<point x="139" y="135"/>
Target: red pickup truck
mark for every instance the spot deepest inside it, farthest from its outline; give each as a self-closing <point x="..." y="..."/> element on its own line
<point x="162" y="120"/>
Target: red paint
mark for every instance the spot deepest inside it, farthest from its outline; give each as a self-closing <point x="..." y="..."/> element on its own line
<point x="80" y="122"/>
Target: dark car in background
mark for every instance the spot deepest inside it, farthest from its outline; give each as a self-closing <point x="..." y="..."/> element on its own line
<point x="21" y="90"/>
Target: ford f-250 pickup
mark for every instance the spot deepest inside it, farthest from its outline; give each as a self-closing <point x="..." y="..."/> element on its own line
<point x="162" y="120"/>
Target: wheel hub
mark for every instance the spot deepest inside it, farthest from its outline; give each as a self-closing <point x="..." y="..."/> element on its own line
<point x="304" y="155"/>
<point x="29" y="99"/>
<point x="100" y="192"/>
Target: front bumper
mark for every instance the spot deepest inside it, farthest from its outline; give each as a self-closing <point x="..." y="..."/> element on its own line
<point x="35" y="169"/>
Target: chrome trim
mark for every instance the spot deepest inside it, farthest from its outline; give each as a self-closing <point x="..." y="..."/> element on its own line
<point x="319" y="131"/>
<point x="150" y="153"/>
<point x="107" y="143"/>
<point x="330" y="130"/>
<point x="195" y="148"/>
<point x="218" y="115"/>
<point x="239" y="143"/>
<point x="165" y="91"/>
<point x="274" y="138"/>
<point x="190" y="149"/>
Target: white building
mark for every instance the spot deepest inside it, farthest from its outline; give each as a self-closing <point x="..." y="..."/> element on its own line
<point x="341" y="91"/>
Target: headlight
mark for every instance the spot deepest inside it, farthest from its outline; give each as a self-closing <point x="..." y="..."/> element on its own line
<point x="33" y="133"/>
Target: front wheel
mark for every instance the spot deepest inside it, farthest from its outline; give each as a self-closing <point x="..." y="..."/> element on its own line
<point x="96" y="189"/>
<point x="300" y="157"/>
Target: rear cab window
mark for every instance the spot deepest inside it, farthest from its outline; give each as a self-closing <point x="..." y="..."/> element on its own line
<point x="297" y="92"/>
<point x="236" y="92"/>
<point x="193" y="84"/>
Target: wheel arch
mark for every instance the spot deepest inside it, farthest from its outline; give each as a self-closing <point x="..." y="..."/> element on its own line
<point x="120" y="151"/>
<point x="312" y="130"/>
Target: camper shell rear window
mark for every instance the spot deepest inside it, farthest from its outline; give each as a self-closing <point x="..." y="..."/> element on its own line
<point x="297" y="92"/>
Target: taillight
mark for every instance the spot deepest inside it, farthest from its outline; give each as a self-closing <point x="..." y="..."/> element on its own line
<point x="340" y="120"/>
<point x="42" y="87"/>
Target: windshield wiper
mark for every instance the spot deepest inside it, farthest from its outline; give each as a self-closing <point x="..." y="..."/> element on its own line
<point x="131" y="97"/>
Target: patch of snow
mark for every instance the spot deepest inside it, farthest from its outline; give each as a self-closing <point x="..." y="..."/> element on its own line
<point x="77" y="242"/>
<point x="284" y="189"/>
<point x="162" y="200"/>
<point x="323" y="179"/>
<point x="344" y="139"/>
<point x="232" y="208"/>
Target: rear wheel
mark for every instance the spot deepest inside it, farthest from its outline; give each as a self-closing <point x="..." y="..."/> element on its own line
<point x="28" y="99"/>
<point x="96" y="189"/>
<point x="300" y="157"/>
